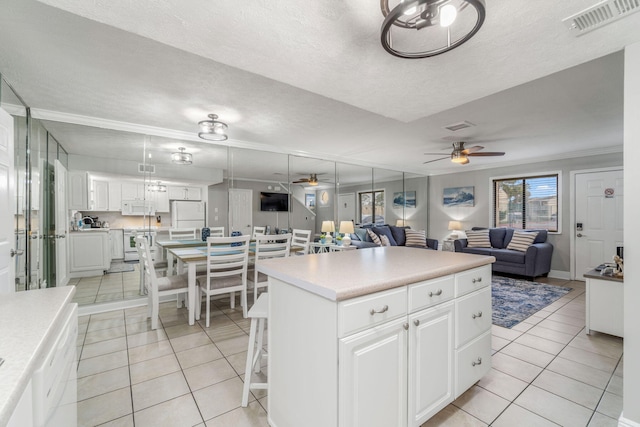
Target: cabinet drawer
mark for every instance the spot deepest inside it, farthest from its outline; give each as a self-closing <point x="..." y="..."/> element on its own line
<point x="473" y="361"/>
<point x="430" y="292"/>
<point x="471" y="280"/>
<point x="370" y="310"/>
<point x="473" y="315"/>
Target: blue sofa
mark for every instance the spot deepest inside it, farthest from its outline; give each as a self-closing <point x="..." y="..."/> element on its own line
<point x="360" y="239"/>
<point x="536" y="261"/>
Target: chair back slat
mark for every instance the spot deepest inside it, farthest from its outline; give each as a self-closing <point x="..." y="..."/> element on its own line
<point x="272" y="246"/>
<point x="216" y="231"/>
<point x="227" y="256"/>
<point x="301" y="239"/>
<point x="182" y="234"/>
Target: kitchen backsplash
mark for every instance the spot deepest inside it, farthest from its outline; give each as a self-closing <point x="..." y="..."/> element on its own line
<point x="116" y="220"/>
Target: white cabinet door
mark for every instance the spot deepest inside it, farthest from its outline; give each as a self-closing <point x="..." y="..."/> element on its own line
<point x="89" y="251"/>
<point x="162" y="202"/>
<point x="99" y="195"/>
<point x="184" y="193"/>
<point x="132" y="191"/>
<point x="373" y="377"/>
<point x="115" y="196"/>
<point x="78" y="191"/>
<point x="193" y="193"/>
<point x="116" y="238"/>
<point x="431" y="362"/>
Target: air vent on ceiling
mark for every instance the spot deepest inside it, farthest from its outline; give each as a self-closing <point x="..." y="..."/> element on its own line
<point x="142" y="168"/>
<point x="457" y="126"/>
<point x="600" y="14"/>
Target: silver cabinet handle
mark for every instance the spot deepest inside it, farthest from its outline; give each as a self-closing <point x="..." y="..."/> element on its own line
<point x="382" y="310"/>
<point x="406" y="326"/>
<point x="436" y="293"/>
<point x="479" y="279"/>
<point x="16" y="252"/>
<point x="416" y="322"/>
<point x="477" y="362"/>
<point x="474" y="315"/>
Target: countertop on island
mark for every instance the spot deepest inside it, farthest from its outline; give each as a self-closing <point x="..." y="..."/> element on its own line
<point x="343" y="275"/>
<point x="28" y="321"/>
<point x="593" y="274"/>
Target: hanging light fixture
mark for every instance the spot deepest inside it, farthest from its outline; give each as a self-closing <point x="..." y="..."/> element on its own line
<point x="212" y="130"/>
<point x="424" y="28"/>
<point x="181" y="157"/>
<point x="157" y="187"/>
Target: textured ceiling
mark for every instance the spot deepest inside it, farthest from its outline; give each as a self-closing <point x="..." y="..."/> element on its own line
<point x="310" y="77"/>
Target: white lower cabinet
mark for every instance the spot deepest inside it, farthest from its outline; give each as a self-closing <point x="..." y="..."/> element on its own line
<point x="431" y="362"/>
<point x="373" y="376"/>
<point x="89" y="253"/>
<point x="402" y="354"/>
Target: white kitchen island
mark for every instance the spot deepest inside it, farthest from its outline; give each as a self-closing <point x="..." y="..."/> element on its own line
<point x="375" y="337"/>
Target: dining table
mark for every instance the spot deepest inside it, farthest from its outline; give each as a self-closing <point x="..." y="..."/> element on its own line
<point x="192" y="257"/>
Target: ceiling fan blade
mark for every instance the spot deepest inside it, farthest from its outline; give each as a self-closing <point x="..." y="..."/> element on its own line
<point x="436" y="160"/>
<point x="472" y="149"/>
<point x="300" y="181"/>
<point x="487" y="154"/>
<point x="433" y="154"/>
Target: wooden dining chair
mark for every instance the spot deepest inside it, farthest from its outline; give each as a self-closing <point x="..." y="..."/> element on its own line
<point x="216" y="231"/>
<point x="182" y="234"/>
<point x="301" y="239"/>
<point x="157" y="286"/>
<point x="258" y="231"/>
<point x="267" y="247"/>
<point x="227" y="260"/>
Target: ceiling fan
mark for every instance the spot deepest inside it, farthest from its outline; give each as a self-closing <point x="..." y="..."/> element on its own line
<point x="312" y="180"/>
<point x="461" y="155"/>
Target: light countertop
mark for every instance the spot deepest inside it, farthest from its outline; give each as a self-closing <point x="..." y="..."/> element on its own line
<point x="28" y="321"/>
<point x="342" y="275"/>
<point x="592" y="274"/>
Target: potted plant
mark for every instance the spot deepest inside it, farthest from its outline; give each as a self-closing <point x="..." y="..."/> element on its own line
<point x="339" y="240"/>
<point x="323" y="238"/>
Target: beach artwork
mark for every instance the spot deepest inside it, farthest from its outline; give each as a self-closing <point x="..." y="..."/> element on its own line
<point x="458" y="196"/>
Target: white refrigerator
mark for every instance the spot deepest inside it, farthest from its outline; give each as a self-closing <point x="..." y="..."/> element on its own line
<point x="187" y="214"/>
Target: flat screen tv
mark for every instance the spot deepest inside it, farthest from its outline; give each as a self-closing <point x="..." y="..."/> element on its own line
<point x="274" y="202"/>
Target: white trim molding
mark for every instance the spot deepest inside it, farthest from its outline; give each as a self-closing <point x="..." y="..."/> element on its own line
<point x="623" y="422"/>
<point x="559" y="274"/>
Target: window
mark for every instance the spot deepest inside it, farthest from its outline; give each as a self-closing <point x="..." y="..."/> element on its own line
<point x="372" y="207"/>
<point x="530" y="202"/>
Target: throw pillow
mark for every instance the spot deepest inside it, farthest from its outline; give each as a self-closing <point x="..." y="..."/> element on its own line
<point x="374" y="237"/>
<point x="385" y="231"/>
<point x="384" y="240"/>
<point x="478" y="239"/>
<point x="416" y="238"/>
<point x="236" y="234"/>
<point x="521" y="240"/>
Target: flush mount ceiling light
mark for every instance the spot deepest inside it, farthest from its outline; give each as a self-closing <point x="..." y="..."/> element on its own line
<point x="181" y="157"/>
<point x="424" y="28"/>
<point x="157" y="187"/>
<point x="212" y="130"/>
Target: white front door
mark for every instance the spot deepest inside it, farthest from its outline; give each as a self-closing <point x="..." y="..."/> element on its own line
<point x="347" y="207"/>
<point x="7" y="198"/>
<point x="241" y="211"/>
<point x="598" y="226"/>
<point x="62" y="223"/>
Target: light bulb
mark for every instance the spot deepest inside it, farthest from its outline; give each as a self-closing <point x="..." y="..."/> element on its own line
<point x="448" y="14"/>
<point x="409" y="11"/>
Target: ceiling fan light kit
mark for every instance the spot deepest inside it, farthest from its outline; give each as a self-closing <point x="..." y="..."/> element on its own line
<point x="424" y="28"/>
<point x="312" y="180"/>
<point x="213" y="129"/>
<point x="460" y="155"/>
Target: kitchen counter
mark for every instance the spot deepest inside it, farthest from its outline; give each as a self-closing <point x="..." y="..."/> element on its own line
<point x="342" y="275"/>
<point x="85" y="230"/>
<point x="29" y="321"/>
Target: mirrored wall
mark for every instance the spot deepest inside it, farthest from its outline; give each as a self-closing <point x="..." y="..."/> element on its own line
<point x="75" y="181"/>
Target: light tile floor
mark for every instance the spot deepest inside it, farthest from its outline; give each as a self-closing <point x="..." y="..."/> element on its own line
<point x="546" y="371"/>
<point x="108" y="287"/>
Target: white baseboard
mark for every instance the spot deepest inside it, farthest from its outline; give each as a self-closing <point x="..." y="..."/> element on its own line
<point x="84" y="310"/>
<point x="623" y="422"/>
<point x="559" y="274"/>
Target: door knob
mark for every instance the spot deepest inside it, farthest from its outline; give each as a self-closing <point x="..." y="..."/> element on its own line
<point x="579" y="234"/>
<point x="16" y="252"/>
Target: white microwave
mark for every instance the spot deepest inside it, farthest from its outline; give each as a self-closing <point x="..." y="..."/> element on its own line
<point x="138" y="207"/>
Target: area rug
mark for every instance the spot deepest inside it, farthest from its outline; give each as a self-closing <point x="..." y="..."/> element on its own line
<point x="514" y="300"/>
<point x="120" y="267"/>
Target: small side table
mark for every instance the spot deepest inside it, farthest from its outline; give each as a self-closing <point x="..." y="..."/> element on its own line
<point x="448" y="245"/>
<point x="319" y="248"/>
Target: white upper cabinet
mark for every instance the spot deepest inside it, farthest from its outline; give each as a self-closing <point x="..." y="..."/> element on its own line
<point x="115" y="196"/>
<point x="184" y="193"/>
<point x="78" y="190"/>
<point x="99" y="195"/>
<point x="132" y="191"/>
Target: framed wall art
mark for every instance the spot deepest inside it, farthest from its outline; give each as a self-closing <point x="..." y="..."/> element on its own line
<point x="458" y="196"/>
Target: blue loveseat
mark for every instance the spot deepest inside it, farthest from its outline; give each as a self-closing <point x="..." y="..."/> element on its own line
<point x="396" y="235"/>
<point x="536" y="261"/>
